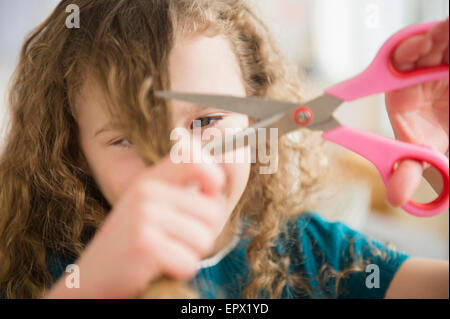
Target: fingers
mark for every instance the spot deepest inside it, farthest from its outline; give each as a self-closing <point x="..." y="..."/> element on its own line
<point x="208" y="176"/>
<point x="439" y="36"/>
<point x="446" y="56"/>
<point x="404" y="182"/>
<point x="173" y="259"/>
<point x="185" y="230"/>
<point x="410" y="51"/>
<point x="175" y="241"/>
<point x="206" y="209"/>
<point x="424" y="50"/>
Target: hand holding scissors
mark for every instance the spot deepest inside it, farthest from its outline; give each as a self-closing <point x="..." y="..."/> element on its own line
<point x="380" y="77"/>
<point x="419" y="114"/>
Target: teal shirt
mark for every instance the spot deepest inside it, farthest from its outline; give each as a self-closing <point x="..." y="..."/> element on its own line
<point x="316" y="242"/>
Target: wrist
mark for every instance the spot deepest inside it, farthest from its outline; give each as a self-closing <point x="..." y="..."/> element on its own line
<point x="64" y="288"/>
<point x="60" y="291"/>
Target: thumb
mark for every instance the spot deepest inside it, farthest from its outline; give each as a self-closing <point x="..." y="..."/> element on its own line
<point x="404" y="182"/>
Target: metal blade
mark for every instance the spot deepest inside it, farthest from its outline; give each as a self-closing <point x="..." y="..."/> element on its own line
<point x="252" y="106"/>
<point x="275" y="114"/>
<point x="323" y="107"/>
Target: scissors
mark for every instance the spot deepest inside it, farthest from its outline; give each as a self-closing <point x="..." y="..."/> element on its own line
<point x="317" y="114"/>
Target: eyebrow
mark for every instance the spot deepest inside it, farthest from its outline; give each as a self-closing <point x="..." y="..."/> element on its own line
<point x="193" y="109"/>
<point x="107" y="127"/>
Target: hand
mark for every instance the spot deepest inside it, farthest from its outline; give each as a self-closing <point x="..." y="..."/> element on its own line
<point x="419" y="114"/>
<point x="158" y="227"/>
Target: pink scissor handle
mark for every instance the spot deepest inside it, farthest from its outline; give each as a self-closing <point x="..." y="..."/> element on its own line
<point x="381" y="76"/>
<point x="385" y="153"/>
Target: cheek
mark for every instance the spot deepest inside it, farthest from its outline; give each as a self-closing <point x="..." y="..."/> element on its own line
<point x="115" y="175"/>
<point x="238" y="170"/>
<point x="237" y="179"/>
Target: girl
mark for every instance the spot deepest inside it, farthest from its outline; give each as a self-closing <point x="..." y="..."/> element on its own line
<point x="86" y="179"/>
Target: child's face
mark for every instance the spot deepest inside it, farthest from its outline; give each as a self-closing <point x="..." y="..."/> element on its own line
<point x="199" y="64"/>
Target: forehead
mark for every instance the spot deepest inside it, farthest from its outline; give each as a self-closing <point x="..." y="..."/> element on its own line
<point x="197" y="64"/>
<point x="205" y="65"/>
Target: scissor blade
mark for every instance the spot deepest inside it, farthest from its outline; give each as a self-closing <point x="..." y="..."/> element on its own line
<point x="255" y="107"/>
<point x="274" y="114"/>
<point x="322" y="107"/>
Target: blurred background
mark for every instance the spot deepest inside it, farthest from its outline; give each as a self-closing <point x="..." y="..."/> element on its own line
<point x="329" y="40"/>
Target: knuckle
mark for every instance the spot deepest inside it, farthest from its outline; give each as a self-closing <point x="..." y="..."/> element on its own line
<point x="150" y="210"/>
<point x="144" y="240"/>
<point x="144" y="212"/>
<point x="149" y="189"/>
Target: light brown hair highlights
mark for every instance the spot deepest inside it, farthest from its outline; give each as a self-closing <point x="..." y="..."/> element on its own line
<point x="48" y="201"/>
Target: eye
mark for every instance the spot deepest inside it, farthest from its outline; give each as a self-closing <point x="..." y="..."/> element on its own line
<point x="206" y="121"/>
<point x="123" y="143"/>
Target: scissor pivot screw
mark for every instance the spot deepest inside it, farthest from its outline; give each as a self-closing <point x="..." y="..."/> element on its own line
<point x="303" y="116"/>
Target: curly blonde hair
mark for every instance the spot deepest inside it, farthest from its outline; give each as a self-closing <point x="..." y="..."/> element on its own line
<point x="50" y="204"/>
